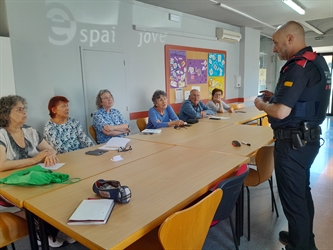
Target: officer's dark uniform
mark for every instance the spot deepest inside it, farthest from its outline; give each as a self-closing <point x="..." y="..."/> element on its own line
<point x="304" y="86"/>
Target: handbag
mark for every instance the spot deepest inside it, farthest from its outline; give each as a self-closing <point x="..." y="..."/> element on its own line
<point x="192" y="121"/>
<point x="112" y="189"/>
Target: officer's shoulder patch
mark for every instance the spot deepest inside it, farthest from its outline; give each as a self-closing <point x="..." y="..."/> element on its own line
<point x="288" y="84"/>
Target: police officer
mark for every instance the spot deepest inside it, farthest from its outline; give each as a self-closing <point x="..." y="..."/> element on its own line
<point x="295" y="111"/>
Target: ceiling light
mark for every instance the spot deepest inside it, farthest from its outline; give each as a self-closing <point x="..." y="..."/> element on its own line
<point x="245" y="15"/>
<point x="294" y="6"/>
<point x="214" y="1"/>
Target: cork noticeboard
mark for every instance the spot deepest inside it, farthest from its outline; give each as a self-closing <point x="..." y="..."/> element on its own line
<point x="187" y="68"/>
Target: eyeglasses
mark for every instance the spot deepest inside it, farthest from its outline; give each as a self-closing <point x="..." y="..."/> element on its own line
<point x="107" y="98"/>
<point x="124" y="149"/>
<point x="21" y="110"/>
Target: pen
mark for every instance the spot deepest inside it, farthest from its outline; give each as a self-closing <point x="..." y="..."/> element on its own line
<point x="245" y="143"/>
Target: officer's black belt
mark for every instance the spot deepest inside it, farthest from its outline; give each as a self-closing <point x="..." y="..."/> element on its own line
<point x="284" y="134"/>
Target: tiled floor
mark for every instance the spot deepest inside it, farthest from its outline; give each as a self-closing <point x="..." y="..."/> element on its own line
<point x="265" y="226"/>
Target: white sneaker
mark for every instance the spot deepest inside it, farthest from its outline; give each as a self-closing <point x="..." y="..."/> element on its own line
<point x="65" y="237"/>
<point x="57" y="243"/>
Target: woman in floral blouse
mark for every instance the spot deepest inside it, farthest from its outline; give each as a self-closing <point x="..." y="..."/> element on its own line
<point x="107" y="121"/>
<point x="63" y="132"/>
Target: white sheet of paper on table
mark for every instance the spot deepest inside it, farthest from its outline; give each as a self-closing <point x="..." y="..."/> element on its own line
<point x="54" y="167"/>
<point x="116" y="158"/>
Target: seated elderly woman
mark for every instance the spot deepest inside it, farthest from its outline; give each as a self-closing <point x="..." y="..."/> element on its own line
<point x="162" y="114"/>
<point x="62" y="132"/>
<point x="216" y="104"/>
<point x="22" y="146"/>
<point x="107" y="121"/>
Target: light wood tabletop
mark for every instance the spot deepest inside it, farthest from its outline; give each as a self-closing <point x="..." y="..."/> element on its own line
<point x="220" y="140"/>
<point x="174" y="136"/>
<point x="161" y="184"/>
<point x="241" y="116"/>
<point x="80" y="165"/>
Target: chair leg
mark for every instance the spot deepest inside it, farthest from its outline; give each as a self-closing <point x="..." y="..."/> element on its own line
<point x="233" y="232"/>
<point x="270" y="181"/>
<point x="13" y="246"/>
<point x="248" y="214"/>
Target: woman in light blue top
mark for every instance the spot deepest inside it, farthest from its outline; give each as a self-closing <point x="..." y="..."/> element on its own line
<point x="162" y="114"/>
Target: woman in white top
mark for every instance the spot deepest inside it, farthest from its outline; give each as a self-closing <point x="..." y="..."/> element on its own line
<point x="216" y="104"/>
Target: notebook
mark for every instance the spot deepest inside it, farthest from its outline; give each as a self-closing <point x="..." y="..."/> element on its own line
<point x="151" y="131"/>
<point x="114" y="143"/>
<point x="92" y="212"/>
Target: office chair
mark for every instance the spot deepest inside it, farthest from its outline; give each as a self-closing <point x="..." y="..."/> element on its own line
<point x="186" y="229"/>
<point x="12" y="228"/>
<point x="231" y="188"/>
<point x="92" y="131"/>
<point x="142" y="123"/>
<point x="264" y="160"/>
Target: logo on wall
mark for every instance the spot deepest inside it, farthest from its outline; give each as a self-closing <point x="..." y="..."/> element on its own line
<point x="62" y="23"/>
<point x="64" y="27"/>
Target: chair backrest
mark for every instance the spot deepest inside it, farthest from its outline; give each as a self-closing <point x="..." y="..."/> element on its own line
<point x="92" y="131"/>
<point x="231" y="188"/>
<point x="187" y="229"/>
<point x="12" y="228"/>
<point x="142" y="123"/>
<point x="265" y="163"/>
<point x="236" y="106"/>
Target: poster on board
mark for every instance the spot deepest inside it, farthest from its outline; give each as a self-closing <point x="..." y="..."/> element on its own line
<point x="188" y="67"/>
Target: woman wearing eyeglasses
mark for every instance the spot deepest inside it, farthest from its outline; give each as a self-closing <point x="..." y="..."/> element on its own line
<point x="216" y="104"/>
<point x="108" y="121"/>
<point x="20" y="144"/>
<point x="162" y="115"/>
<point x="62" y="132"/>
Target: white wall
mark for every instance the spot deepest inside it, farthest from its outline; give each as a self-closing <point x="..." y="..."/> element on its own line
<point x="249" y="63"/>
<point x="46" y="37"/>
<point x="7" y="84"/>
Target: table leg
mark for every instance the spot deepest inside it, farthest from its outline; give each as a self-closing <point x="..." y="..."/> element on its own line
<point x="32" y="229"/>
<point x="43" y="235"/>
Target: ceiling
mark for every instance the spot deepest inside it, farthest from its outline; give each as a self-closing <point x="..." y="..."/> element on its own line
<point x="263" y="15"/>
<point x="268" y="13"/>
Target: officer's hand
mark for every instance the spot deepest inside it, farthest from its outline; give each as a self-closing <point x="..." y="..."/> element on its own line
<point x="267" y="95"/>
<point x="259" y="103"/>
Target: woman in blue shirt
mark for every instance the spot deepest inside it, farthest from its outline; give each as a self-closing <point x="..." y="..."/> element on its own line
<point x="108" y="121"/>
<point x="162" y="114"/>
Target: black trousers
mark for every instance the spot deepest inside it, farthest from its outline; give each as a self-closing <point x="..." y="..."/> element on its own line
<point x="292" y="169"/>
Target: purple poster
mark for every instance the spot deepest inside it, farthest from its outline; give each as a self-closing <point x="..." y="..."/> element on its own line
<point x="196" y="71"/>
<point x="177" y="69"/>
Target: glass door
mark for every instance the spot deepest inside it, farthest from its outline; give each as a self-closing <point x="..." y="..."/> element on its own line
<point x="329" y="60"/>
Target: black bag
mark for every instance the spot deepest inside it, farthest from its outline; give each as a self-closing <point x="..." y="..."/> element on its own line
<point x="192" y="121"/>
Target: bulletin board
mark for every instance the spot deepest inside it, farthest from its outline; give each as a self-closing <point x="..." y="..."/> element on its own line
<point x="188" y="68"/>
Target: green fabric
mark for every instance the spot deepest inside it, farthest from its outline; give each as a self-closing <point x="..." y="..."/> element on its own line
<point x="35" y="175"/>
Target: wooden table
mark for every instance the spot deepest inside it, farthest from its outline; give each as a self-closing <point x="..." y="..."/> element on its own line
<point x="161" y="184"/>
<point x="250" y="114"/>
<point x="80" y="165"/>
<point x="220" y="140"/>
<point x="175" y="136"/>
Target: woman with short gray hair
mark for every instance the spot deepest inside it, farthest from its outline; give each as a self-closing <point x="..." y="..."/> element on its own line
<point x="108" y="121"/>
<point x="162" y="115"/>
